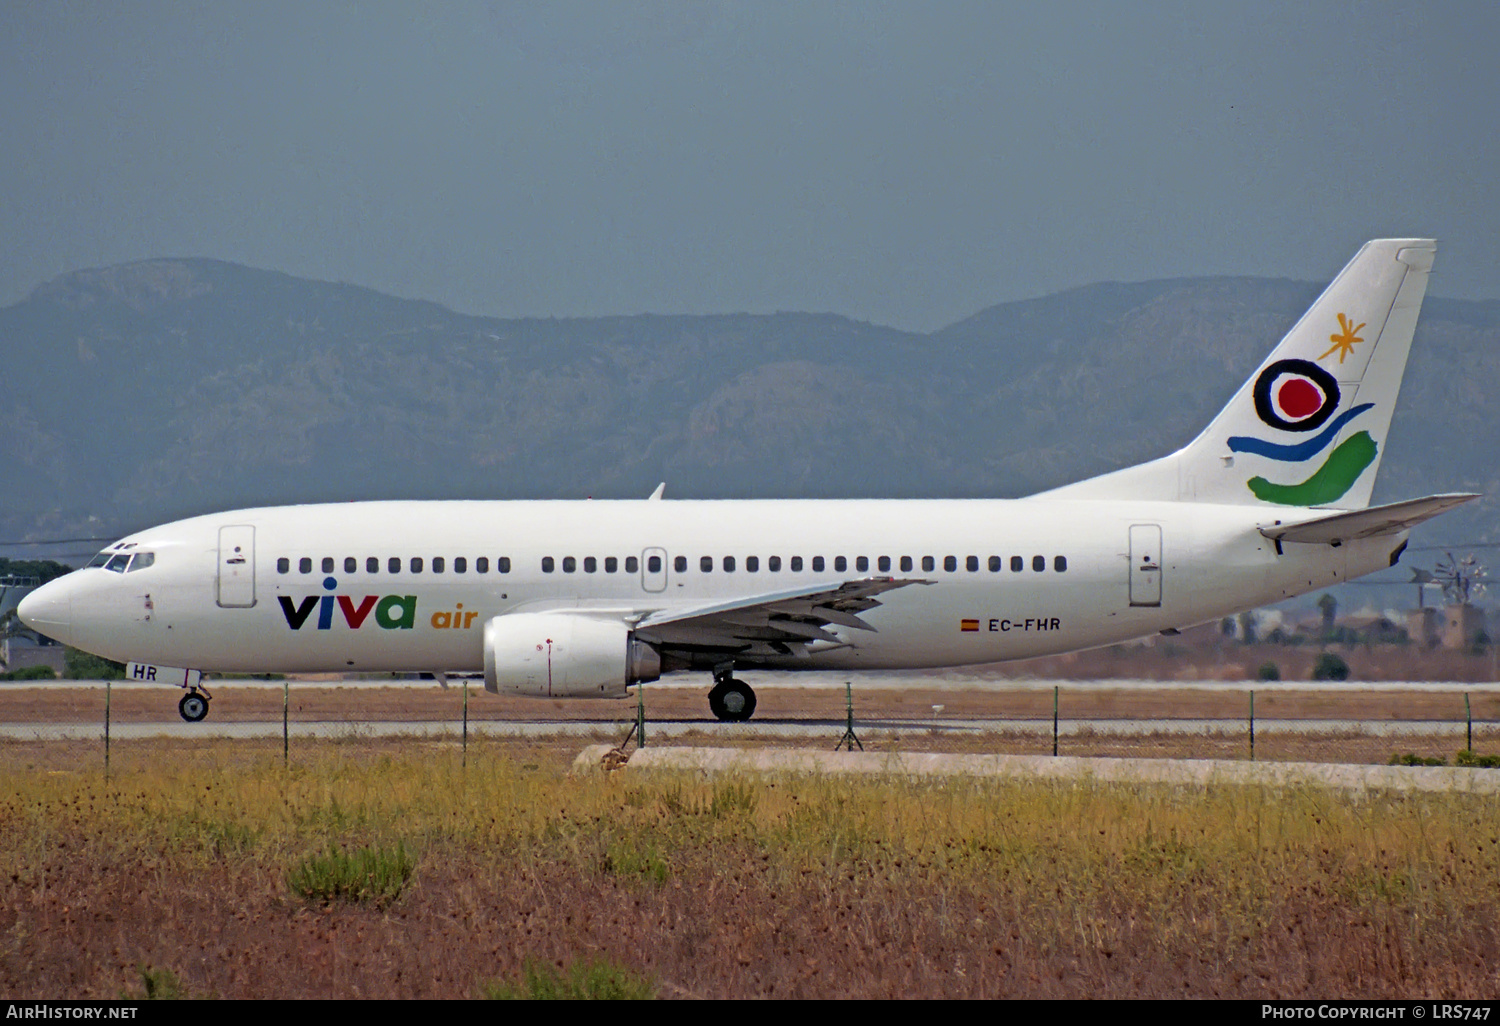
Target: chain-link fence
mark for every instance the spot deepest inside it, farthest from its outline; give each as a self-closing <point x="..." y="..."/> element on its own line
<point x="1332" y="723"/>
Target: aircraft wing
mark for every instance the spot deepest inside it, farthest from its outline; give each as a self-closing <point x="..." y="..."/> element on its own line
<point x="1367" y="523"/>
<point x="772" y="624"/>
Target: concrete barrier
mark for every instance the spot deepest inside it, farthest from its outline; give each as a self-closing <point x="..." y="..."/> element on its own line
<point x="1198" y="772"/>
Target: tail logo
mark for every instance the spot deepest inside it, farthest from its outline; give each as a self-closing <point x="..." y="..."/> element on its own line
<point x="1299" y="396"/>
<point x="1295" y="395"/>
<point x="1343" y="342"/>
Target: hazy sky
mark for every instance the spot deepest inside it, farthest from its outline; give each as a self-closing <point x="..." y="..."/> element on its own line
<point x="905" y="163"/>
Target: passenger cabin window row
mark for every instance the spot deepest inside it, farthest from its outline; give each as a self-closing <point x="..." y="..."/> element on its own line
<point x="394" y="564"/>
<point x="817" y="564"/>
<point x="632" y="564"/>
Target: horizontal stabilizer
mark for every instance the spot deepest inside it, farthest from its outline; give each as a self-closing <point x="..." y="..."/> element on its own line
<point x="1367" y="523"/>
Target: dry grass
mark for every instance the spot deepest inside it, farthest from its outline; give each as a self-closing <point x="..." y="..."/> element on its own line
<point x="778" y="887"/>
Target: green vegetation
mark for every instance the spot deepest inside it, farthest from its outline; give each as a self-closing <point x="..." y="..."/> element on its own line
<point x="1413" y="759"/>
<point x="30" y="673"/>
<point x="1330" y="666"/>
<point x="157" y="985"/>
<point x="373" y="875"/>
<point x="1468" y="758"/>
<point x="596" y="980"/>
<point x="43" y="569"/>
<point x="80" y="665"/>
<point x="1268" y="671"/>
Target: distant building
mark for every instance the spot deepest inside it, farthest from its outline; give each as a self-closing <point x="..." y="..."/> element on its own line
<point x="1462" y="625"/>
<point x="21" y="652"/>
<point x="1425" y="626"/>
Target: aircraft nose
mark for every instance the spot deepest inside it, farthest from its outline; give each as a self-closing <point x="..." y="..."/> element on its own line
<point x="49" y="611"/>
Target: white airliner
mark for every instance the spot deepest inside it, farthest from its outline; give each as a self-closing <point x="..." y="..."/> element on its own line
<point x="588" y="598"/>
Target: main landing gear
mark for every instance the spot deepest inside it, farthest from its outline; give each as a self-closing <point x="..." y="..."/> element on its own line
<point x="194" y="705"/>
<point x="731" y="700"/>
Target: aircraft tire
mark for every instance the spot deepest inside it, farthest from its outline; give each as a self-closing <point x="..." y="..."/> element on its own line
<point x="732" y="701"/>
<point x="193" y="707"/>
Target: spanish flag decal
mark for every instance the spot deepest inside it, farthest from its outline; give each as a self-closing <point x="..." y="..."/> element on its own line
<point x="968" y="625"/>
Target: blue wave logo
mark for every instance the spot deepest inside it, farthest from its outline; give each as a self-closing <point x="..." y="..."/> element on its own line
<point x="1302" y="450"/>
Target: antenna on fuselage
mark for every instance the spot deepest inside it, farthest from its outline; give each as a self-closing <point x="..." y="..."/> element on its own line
<point x="656" y="495"/>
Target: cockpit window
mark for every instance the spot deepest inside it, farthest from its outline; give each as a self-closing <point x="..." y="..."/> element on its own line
<point x="142" y="560"/>
<point x="118" y="562"/>
<point x="100" y="559"/>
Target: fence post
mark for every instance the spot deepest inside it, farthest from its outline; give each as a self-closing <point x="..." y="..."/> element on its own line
<point x="1055" y="688"/>
<point x="106" y="729"/>
<point x="1252" y="724"/>
<point x="465" y="760"/>
<point x="285" y="701"/>
<point x="849" y="738"/>
<point x="1469" y="721"/>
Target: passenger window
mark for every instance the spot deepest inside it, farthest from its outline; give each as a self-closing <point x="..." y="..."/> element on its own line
<point x="862" y="563"/>
<point x="906" y="564"/>
<point x="482" y="565"/>
<point x="372" y="565"/>
<point x="416" y="564"/>
<point x="706" y="564"/>
<point x="729" y="564"/>
<point x="437" y="564"/>
<point x="142" y="560"/>
<point x="632" y="564"/>
<point x="118" y="563"/>
<point x="503" y="564"/>
<point x="1039" y="563"/>
<point x="840" y="564"/>
<point x="752" y="564"/>
<point x="950" y="563"/>
<point x="611" y="565"/>
<point x="460" y="565"/>
<point x="680" y="564"/>
<point x="773" y="564"/>
<point x="569" y="564"/>
<point x="971" y="564"/>
<point x="304" y="565"/>
<point x="928" y="564"/>
<point x="547" y="565"/>
<point x="1060" y="563"/>
<point x="817" y="564"/>
<point x="885" y="564"/>
<point x="1017" y="564"/>
<point x="653" y="565"/>
<point x="350" y="564"/>
<point x="283" y="565"/>
<point x="796" y="564"/>
<point x="328" y="564"/>
<point x="393" y="565"/>
<point x="994" y="564"/>
<point x="590" y="565"/>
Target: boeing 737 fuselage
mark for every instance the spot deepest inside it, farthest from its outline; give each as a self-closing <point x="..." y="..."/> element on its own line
<point x="589" y="598"/>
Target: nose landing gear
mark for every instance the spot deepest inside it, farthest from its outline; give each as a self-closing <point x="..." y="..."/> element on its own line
<point x="194" y="705"/>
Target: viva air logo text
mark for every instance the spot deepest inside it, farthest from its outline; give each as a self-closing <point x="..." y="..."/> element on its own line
<point x="391" y="612"/>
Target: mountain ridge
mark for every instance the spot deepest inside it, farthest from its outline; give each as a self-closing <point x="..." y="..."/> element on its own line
<point x="139" y="392"/>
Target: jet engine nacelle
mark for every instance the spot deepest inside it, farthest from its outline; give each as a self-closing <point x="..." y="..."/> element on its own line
<point x="564" y="655"/>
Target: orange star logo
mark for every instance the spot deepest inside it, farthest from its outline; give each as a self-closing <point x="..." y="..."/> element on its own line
<point x="1343" y="342"/>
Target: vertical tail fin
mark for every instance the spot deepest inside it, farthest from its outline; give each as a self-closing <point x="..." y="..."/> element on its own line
<point x="1309" y="427"/>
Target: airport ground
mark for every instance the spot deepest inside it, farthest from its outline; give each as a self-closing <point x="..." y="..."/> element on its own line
<point x="178" y="869"/>
<point x="182" y="870"/>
